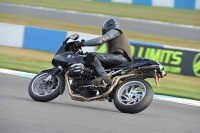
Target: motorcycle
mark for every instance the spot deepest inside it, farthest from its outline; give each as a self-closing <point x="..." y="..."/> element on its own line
<point x="129" y="90"/>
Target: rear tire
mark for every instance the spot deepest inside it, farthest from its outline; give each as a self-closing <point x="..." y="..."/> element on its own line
<point x="133" y="96"/>
<point x="49" y="91"/>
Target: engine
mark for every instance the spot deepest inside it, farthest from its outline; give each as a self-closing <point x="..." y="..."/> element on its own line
<point x="81" y="78"/>
<point x="79" y="73"/>
<point x="76" y="69"/>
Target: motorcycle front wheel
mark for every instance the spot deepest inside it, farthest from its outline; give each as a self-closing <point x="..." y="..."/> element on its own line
<point x="133" y="96"/>
<point x="44" y="92"/>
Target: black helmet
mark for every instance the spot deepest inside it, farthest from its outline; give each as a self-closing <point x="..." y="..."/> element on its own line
<point x="108" y="25"/>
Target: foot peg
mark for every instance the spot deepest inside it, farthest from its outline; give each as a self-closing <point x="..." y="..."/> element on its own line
<point x="101" y="80"/>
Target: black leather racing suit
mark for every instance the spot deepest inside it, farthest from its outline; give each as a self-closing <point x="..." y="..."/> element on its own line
<point x="118" y="51"/>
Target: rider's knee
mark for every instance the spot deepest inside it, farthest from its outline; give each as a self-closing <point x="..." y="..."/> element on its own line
<point x="90" y="57"/>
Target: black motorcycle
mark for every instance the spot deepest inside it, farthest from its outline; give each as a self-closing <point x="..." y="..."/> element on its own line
<point x="128" y="89"/>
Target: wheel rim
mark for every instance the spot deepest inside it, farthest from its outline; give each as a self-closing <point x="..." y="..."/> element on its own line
<point x="131" y="93"/>
<point x="44" y="89"/>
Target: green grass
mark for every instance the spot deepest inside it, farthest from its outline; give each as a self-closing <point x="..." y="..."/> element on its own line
<point x="45" y="23"/>
<point x="26" y="65"/>
<point x="180" y="16"/>
<point x="24" y="59"/>
<point x="178" y="85"/>
<point x="35" y="61"/>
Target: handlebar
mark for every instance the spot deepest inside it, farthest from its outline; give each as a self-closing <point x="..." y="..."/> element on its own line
<point x="70" y="46"/>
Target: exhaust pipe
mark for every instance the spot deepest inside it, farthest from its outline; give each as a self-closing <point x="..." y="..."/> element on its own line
<point x="158" y="68"/>
<point x="113" y="85"/>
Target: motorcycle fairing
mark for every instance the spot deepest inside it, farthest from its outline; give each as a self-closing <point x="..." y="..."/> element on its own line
<point x="68" y="58"/>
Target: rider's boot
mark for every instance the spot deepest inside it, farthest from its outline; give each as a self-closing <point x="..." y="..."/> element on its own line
<point x="103" y="77"/>
<point x="96" y="64"/>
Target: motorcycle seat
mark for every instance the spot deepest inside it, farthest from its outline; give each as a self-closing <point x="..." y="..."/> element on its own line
<point x="119" y="66"/>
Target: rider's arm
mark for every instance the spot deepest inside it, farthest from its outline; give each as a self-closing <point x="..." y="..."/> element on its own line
<point x="111" y="34"/>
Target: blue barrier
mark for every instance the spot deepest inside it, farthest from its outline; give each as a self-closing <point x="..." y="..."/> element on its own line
<point x="176" y="60"/>
<point x="189" y="4"/>
<point x="143" y="2"/>
<point x="146" y="44"/>
<point x="43" y="39"/>
<point x="186" y="4"/>
<point x="104" y="0"/>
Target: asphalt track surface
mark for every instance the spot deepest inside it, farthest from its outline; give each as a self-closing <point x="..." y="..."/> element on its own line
<point x="168" y="30"/>
<point x="20" y="114"/>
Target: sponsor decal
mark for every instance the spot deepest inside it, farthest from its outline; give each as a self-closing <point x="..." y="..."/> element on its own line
<point x="196" y="65"/>
<point x="171" y="59"/>
<point x="181" y="61"/>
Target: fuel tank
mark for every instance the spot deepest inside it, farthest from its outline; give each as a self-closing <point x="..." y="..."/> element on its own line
<point x="67" y="58"/>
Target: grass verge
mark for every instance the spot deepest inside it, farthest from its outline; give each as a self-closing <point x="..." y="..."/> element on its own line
<point x="25" y="65"/>
<point x="24" y="59"/>
<point x="30" y="21"/>
<point x="35" y="61"/>
<point x="173" y="15"/>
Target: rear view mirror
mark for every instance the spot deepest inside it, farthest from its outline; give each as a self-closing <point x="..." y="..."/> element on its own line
<point x="74" y="37"/>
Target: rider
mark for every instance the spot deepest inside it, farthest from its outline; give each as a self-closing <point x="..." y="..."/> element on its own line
<point x="118" y="48"/>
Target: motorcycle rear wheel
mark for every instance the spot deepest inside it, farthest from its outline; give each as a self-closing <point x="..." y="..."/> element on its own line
<point x="133" y="96"/>
<point x="45" y="92"/>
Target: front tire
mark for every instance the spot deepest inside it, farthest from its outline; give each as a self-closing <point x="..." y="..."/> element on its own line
<point x="133" y="96"/>
<point x="45" y="92"/>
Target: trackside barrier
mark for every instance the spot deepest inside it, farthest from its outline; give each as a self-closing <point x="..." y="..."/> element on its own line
<point x="176" y="60"/>
<point x="36" y="38"/>
<point x="187" y="4"/>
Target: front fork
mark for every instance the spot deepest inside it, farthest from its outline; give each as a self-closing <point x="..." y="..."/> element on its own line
<point x="52" y="74"/>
